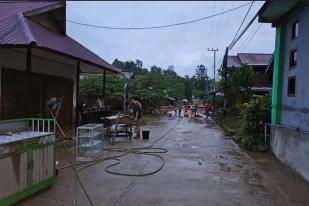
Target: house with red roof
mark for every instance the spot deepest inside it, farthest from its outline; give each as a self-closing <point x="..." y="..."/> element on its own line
<point x="38" y="60"/>
<point x="259" y="63"/>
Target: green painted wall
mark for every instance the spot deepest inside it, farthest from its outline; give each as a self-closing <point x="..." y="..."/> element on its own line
<point x="277" y="75"/>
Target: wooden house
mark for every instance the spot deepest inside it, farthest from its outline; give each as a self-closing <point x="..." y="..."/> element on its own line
<point x="38" y="60"/>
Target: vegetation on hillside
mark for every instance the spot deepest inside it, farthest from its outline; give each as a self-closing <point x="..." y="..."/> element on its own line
<point x="150" y="85"/>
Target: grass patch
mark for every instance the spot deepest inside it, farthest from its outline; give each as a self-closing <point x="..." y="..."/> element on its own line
<point x="231" y="124"/>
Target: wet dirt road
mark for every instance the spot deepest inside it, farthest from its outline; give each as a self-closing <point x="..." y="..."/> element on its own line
<point x="202" y="167"/>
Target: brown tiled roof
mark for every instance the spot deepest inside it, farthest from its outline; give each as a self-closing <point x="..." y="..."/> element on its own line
<point x="17" y="30"/>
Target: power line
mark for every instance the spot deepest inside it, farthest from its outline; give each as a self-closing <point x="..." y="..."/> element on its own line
<point x="243" y="20"/>
<point x="157" y="27"/>
<point x="251" y="37"/>
<point x="232" y="44"/>
<point x="212" y="23"/>
<point x="248" y="37"/>
<point x="219" y="25"/>
<point x="251" y="4"/>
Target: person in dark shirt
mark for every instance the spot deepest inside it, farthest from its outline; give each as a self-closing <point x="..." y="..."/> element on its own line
<point x="54" y="105"/>
<point x="138" y="115"/>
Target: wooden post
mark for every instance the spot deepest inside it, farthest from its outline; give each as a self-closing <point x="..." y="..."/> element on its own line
<point x="225" y="79"/>
<point x="104" y="84"/>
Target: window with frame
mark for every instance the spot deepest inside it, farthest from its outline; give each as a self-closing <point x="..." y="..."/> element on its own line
<point x="295" y="27"/>
<point x="291" y="86"/>
<point x="293" y="58"/>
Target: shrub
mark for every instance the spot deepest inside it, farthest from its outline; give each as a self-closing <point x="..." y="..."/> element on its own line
<point x="255" y="114"/>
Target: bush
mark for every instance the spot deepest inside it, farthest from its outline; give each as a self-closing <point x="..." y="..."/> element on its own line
<point x="255" y="114"/>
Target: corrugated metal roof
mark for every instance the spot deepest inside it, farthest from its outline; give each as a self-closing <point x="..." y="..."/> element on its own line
<point x="254" y="59"/>
<point x="16" y="29"/>
<point x="233" y="61"/>
<point x="11" y="8"/>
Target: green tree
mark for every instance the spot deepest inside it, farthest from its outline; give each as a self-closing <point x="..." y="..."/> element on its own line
<point x="139" y="64"/>
<point x="238" y="82"/>
<point x="156" y="69"/>
<point x="188" y="87"/>
<point x="118" y="64"/>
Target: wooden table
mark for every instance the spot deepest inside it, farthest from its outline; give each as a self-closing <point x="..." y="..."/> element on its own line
<point x="118" y="126"/>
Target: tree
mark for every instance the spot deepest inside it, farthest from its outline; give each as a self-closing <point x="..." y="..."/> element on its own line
<point x="118" y="64"/>
<point x="188" y="87"/>
<point x="156" y="69"/>
<point x="151" y="87"/>
<point x="139" y="64"/>
<point x="200" y="81"/>
<point x="170" y="70"/>
<point x="238" y="83"/>
<point x="201" y="77"/>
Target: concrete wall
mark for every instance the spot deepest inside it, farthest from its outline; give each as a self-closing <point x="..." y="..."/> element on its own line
<point x="295" y="110"/>
<point x="292" y="148"/>
<point x="43" y="63"/>
<point x="288" y="144"/>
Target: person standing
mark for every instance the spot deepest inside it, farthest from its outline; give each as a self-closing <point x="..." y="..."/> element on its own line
<point x="179" y="110"/>
<point x="138" y="115"/>
<point x="207" y="109"/>
<point x="176" y="110"/>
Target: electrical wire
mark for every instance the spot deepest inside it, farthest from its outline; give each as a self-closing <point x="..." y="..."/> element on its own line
<point x="220" y="23"/>
<point x="212" y="23"/>
<point x="251" y="4"/>
<point x="248" y="37"/>
<point x="243" y="20"/>
<point x="251" y="37"/>
<point x="157" y="27"/>
<point x="232" y="44"/>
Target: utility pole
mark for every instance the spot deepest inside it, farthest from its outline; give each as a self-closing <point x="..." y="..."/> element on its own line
<point x="224" y="68"/>
<point x="214" y="51"/>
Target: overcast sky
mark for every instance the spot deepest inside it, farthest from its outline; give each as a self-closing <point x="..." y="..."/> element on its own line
<point x="184" y="46"/>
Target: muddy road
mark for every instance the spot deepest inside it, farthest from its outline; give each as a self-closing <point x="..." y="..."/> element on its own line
<point x="202" y="167"/>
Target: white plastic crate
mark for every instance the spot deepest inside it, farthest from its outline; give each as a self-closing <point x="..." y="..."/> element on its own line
<point x="89" y="142"/>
